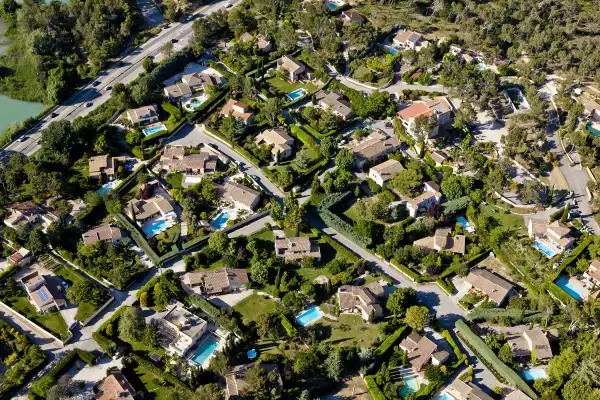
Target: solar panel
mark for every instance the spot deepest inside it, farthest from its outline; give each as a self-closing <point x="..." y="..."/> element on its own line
<point x="43" y="295"/>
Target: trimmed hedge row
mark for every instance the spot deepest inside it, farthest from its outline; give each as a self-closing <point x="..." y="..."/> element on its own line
<point x="348" y="255"/>
<point x="333" y="220"/>
<point x="138" y="238"/>
<point x="574" y="255"/>
<point x="9" y="271"/>
<point x="289" y="328"/>
<point x="194" y="242"/>
<point x="412" y="275"/>
<point x="199" y="302"/>
<point x="500" y="370"/>
<point x="374" y="390"/>
<point x="167" y="377"/>
<point x="457" y="352"/>
<point x="446" y="285"/>
<point x="558" y="293"/>
<point x="389" y="342"/>
<point x="40" y="388"/>
<point x="304" y="137"/>
<point x="108" y="345"/>
<point x="489" y="314"/>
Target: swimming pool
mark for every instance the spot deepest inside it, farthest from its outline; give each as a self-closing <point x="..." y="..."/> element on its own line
<point x="107" y="187"/>
<point x="296" y="94"/>
<point x="251" y="354"/>
<point x="576" y="292"/>
<point x="206" y="350"/>
<point x="411" y="385"/>
<point x="534" y="373"/>
<point x="309" y="316"/>
<point x="332" y="6"/>
<point x="465" y="224"/>
<point x="391" y="50"/>
<point x="220" y="220"/>
<point x="591" y="128"/>
<point x="544" y="248"/>
<point x="155" y="227"/>
<point x="154" y="129"/>
<point x="195" y="103"/>
<point x="445" y="396"/>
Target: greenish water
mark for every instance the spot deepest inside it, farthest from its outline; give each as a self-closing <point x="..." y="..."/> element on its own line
<point x="12" y="110"/>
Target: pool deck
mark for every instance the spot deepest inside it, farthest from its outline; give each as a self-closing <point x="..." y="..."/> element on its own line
<point x="576" y="288"/>
<point x="192" y="352"/>
<point x="151" y="126"/>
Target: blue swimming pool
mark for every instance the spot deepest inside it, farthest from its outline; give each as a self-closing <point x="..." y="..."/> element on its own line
<point x="207" y="348"/>
<point x="154" y="129"/>
<point x="107" y="187"/>
<point x="332" y="6"/>
<point x="296" y="94"/>
<point x="465" y="224"/>
<point x="155" y="227"/>
<point x="564" y="282"/>
<point x="411" y="385"/>
<point x="446" y="396"/>
<point x="594" y="131"/>
<point x="251" y="354"/>
<point x="195" y="104"/>
<point x="534" y="373"/>
<point x="220" y="220"/>
<point x="544" y="248"/>
<point x="309" y="316"/>
<point x="392" y="50"/>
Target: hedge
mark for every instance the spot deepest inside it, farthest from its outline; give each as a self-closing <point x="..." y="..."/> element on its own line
<point x="164" y="278"/>
<point x="289" y="328"/>
<point x="194" y="242"/>
<point x="138" y="238"/>
<point x="347" y="254"/>
<point x="167" y="377"/>
<point x="574" y="255"/>
<point x="457" y="352"/>
<point x="412" y="275"/>
<point x="489" y="314"/>
<point x="527" y="280"/>
<point x="454" y="206"/>
<point x="446" y="285"/>
<point x="374" y="390"/>
<point x="303" y="137"/>
<point x="389" y="342"/>
<point x="9" y="271"/>
<point x="40" y="388"/>
<point x="199" y="302"/>
<point x="500" y="370"/>
<point x="558" y="293"/>
<point x="107" y="344"/>
<point x="337" y="223"/>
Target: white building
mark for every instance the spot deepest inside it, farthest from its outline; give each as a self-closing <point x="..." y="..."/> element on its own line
<point x="431" y="196"/>
<point x="382" y="173"/>
<point x="181" y="328"/>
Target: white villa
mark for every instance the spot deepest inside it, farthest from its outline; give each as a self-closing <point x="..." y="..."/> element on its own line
<point x="432" y="195"/>
<point x="280" y="141"/>
<point x="361" y="300"/>
<point x="143" y="116"/>
<point x="409" y="40"/>
<point x="382" y="173"/>
<point x="439" y="109"/>
<point x="180" y="329"/>
<point x="295" y="69"/>
<point x="556" y="235"/>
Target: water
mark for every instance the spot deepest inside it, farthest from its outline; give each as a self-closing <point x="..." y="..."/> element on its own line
<point x="332" y="6"/>
<point x="220" y="220"/>
<point x="309" y="316"/>
<point x="576" y="292"/>
<point x="12" y="110"/>
<point x="446" y="396"/>
<point x="195" y="104"/>
<point x="392" y="50"/>
<point x="107" y="187"/>
<point x="465" y="224"/>
<point x="251" y="354"/>
<point x="296" y="94"/>
<point x="154" y="129"/>
<point x="591" y="128"/>
<point x="535" y="373"/>
<point x="206" y="350"/>
<point x="411" y="385"/>
<point x="544" y="248"/>
<point x="155" y="227"/>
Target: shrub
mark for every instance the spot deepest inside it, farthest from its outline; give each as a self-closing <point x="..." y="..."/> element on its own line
<point x="331" y="219"/>
<point x="289" y="328"/>
<point x="203" y="304"/>
<point x="389" y="342"/>
<point x="491" y="314"/>
<point x="574" y="255"/>
<point x="412" y="275"/>
<point x="374" y="390"/>
<point x="41" y="386"/>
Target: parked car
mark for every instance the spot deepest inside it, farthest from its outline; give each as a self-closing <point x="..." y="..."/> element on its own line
<point x="23" y="138"/>
<point x="95" y="83"/>
<point x="228" y="4"/>
<point x="53" y="115"/>
<point x="89" y="104"/>
<point x="109" y="87"/>
<point x="174" y="40"/>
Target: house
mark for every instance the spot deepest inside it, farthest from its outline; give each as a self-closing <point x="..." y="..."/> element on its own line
<point x="335" y="103"/>
<point x="382" y="173"/>
<point x="361" y="300"/>
<point x="264" y="45"/>
<point x="459" y="390"/>
<point x="21" y="257"/>
<point x="104" y="166"/>
<point x="555" y="234"/>
<point x="28" y="213"/>
<point x="174" y="158"/>
<point x="440" y="109"/>
<point x="591" y="109"/>
<point x="235" y="380"/>
<point x="409" y="40"/>
<point x="432" y="195"/>
<point x="442" y="241"/>
<point x="241" y="195"/>
<point x="352" y="16"/>
<point x="374" y="148"/>
<point x="201" y="82"/>
<point x="517" y="395"/>
<point x="531" y="341"/>
<point x="422" y="351"/>
<point x="180" y="328"/>
<point x="115" y="387"/>
<point x="143" y="116"/>
<point x="222" y="281"/>
<point x="295" y="69"/>
<point x="43" y="296"/>
<point x="280" y="140"/>
<point x="103" y="233"/>
<point x="141" y="210"/>
<point x="593" y="272"/>
<point x="237" y="109"/>
<point x="294" y="249"/>
<point x="179" y="92"/>
<point x="489" y="284"/>
<point x="439" y="157"/>
<point x="467" y="58"/>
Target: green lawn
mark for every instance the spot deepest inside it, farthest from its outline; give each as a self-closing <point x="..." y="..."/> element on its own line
<point x="174" y="179"/>
<point x="253" y="306"/>
<point x="152" y="384"/>
<point x="52" y="321"/>
<point x="352" y="213"/>
<point x="350" y="330"/>
<point x="169" y="234"/>
<point x="287" y="87"/>
<point x="510" y="222"/>
<point x="85" y="309"/>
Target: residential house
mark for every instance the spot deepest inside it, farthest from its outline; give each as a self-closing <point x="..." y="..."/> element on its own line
<point x="43" y="296"/>
<point x="335" y="103"/>
<point x="237" y="109"/>
<point x="21" y="257"/>
<point x="593" y="272"/>
<point x="374" y="148"/>
<point x="590" y="108"/>
<point x="439" y="157"/>
<point x="422" y="351"/>
<point x="352" y="16"/>
<point x="489" y="284"/>
<point x="180" y="329"/>
<point x="140" y="210"/>
<point x="442" y="241"/>
<point x="431" y="196"/>
<point x="264" y="45"/>
<point x="199" y="81"/>
<point x="143" y="116"/>
<point x="439" y="109"/>
<point x="296" y="69"/>
<point x="361" y="300"/>
<point x="174" y="158"/>
<point x="467" y="58"/>
<point x="106" y="232"/>
<point x="555" y="234"/>
<point x="104" y="166"/>
<point x="409" y="40"/>
<point x="531" y="341"/>
<point x="115" y="387"/>
<point x="218" y="282"/>
<point x="294" y="249"/>
<point x="242" y="196"/>
<point x="459" y="390"/>
<point x="178" y="93"/>
<point x="517" y="395"/>
<point x="382" y="173"/>
<point x="281" y="141"/>
<point x="235" y="382"/>
<point x="28" y="213"/>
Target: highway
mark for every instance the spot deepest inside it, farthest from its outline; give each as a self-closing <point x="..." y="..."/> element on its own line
<point x="125" y="70"/>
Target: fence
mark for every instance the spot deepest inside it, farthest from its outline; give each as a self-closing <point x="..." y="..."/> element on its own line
<point x="98" y="311"/>
<point x="38" y="328"/>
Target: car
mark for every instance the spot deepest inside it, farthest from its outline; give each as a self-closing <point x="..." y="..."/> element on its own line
<point x="174" y="40"/>
<point x="95" y="83"/>
<point x="53" y="115"/>
<point x="214" y="146"/>
<point x="89" y="104"/>
<point x="165" y="26"/>
<point x="256" y="178"/>
<point x="109" y="87"/>
<point x="228" y="5"/>
<point x="120" y="64"/>
<point x="23" y="138"/>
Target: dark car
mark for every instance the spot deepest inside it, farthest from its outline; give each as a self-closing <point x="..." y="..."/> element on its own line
<point x="53" y="115"/>
<point x="174" y="40"/>
<point x="95" y="83"/>
<point x="89" y="104"/>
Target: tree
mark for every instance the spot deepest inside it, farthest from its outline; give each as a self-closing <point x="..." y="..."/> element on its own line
<point x="451" y="187"/>
<point x="464" y="115"/>
<point x="434" y="373"/>
<point x="400" y="300"/>
<point x="210" y="391"/>
<point x="576" y="390"/>
<point x="262" y="384"/>
<point x="505" y="354"/>
<point x="148" y="64"/>
<point x="293" y="300"/>
<point x="334" y="366"/>
<point x="530" y="191"/>
<point x="303" y="159"/>
<point x="144" y="301"/>
<point x="260" y="271"/>
<point x="57" y="86"/>
<point x="416" y="317"/>
<point x="423" y="128"/>
<point x="131" y="324"/>
<point x="306" y="363"/>
<point x="305" y="395"/>
<point x="218" y="242"/>
<point x="167" y="49"/>
<point x="328" y="145"/>
<point x="344" y="159"/>
<point x="562" y="366"/>
<point x="36" y="242"/>
<point x="84" y="291"/>
<point x="160" y="295"/>
<point x="60" y="139"/>
<point x="271" y="109"/>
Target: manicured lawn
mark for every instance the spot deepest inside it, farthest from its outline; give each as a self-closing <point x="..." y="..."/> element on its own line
<point x="254" y="306"/>
<point x="84" y="310"/>
<point x="169" y="234"/>
<point x="311" y="273"/>
<point x="352" y="213"/>
<point x="287" y="87"/>
<point x="152" y="384"/>
<point x="174" y="179"/>
<point x="52" y="321"/>
<point x="350" y="330"/>
<point x="510" y="222"/>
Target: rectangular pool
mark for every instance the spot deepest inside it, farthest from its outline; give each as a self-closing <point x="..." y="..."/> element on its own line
<point x="220" y="220"/>
<point x="411" y="385"/>
<point x="392" y="50"/>
<point x="309" y="316"/>
<point x="296" y="94"/>
<point x="544" y="248"/>
<point x="465" y="224"/>
<point x="576" y="292"/>
<point x="534" y="373"/>
<point x="206" y="349"/>
<point x="445" y="396"/>
<point x="107" y="187"/>
<point x="155" y="227"/>
<point x="154" y="129"/>
<point x="591" y="128"/>
<point x="332" y="6"/>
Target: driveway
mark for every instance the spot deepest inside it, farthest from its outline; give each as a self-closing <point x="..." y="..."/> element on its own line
<point x="229" y="300"/>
